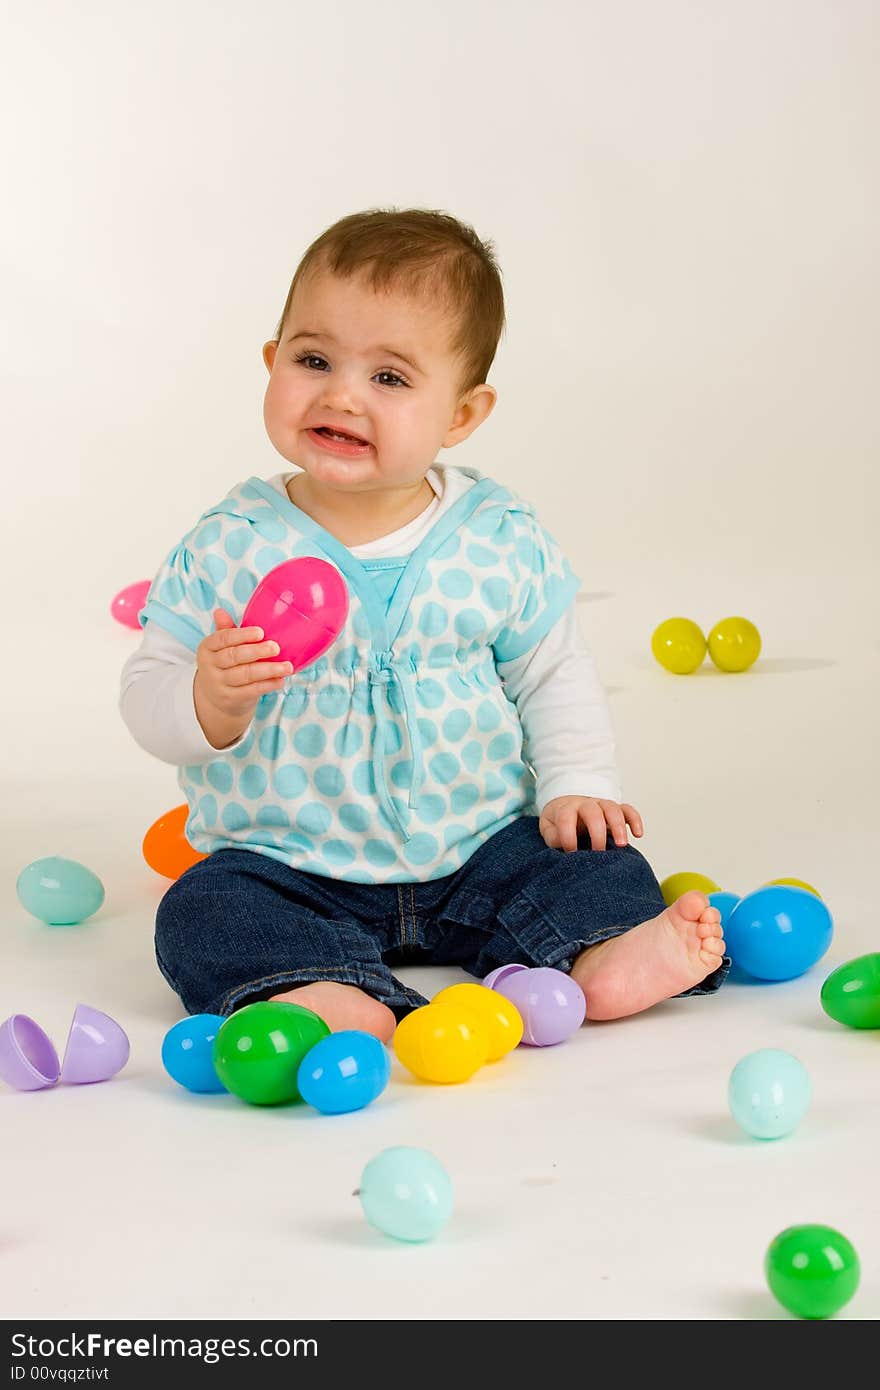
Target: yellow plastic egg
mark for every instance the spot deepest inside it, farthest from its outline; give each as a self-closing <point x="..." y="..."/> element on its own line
<point x="502" y="1019"/>
<point x="734" y="644"/>
<point x="793" y="883"/>
<point x="679" y="645"/>
<point x="676" y="884"/>
<point x="438" y="1043"/>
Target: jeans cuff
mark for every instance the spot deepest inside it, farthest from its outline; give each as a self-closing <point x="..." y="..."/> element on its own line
<point x="525" y="938"/>
<point x="711" y="982"/>
<point x="376" y="985"/>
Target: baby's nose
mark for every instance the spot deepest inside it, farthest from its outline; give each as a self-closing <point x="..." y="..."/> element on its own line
<point x="342" y="394"/>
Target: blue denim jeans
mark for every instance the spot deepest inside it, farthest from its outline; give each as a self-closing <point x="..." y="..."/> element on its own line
<point x="240" y="926"/>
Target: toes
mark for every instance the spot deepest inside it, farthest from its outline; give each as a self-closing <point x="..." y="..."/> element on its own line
<point x="709" y="926"/>
<point x="693" y="906"/>
<point x="714" y="944"/>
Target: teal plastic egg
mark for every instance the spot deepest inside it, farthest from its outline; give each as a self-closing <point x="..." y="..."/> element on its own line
<point x="59" y="891"/>
<point x="406" y="1193"/>
<point x="769" y="1093"/>
<point x="851" y="994"/>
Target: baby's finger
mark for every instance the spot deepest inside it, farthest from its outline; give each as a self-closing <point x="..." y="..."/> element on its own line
<point x="548" y="831"/>
<point x="594" y="819"/>
<point x="246" y="653"/>
<point x="616" y="822"/>
<point x="257" y="671"/>
<point x="633" y="819"/>
<point x="567" y="827"/>
<point x="232" y="637"/>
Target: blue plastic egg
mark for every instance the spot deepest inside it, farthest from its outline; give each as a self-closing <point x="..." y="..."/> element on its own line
<point x="769" y="1093"/>
<point x="187" y="1053"/>
<point x="725" y="903"/>
<point x="343" y="1072"/>
<point x="406" y="1193"/>
<point x="779" y="932"/>
<point x="59" y="891"/>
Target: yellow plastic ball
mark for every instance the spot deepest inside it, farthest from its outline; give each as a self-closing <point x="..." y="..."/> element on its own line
<point x="679" y="645"/>
<point x="502" y="1020"/>
<point x="437" y="1043"/>
<point x="793" y="883"/>
<point x="676" y="884"/>
<point x="734" y="644"/>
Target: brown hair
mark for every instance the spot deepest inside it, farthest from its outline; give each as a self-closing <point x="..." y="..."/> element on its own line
<point x="425" y="252"/>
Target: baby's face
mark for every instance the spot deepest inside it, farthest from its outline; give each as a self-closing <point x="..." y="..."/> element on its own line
<point x="340" y="363"/>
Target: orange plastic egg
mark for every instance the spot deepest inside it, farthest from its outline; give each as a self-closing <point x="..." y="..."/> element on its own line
<point x="166" y="848"/>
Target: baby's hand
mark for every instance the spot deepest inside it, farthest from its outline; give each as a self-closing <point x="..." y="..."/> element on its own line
<point x="232" y="673"/>
<point x="562" y="816"/>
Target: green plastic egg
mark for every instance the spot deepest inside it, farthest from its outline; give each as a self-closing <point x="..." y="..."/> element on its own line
<point x="851" y="994"/>
<point x="812" y="1270"/>
<point x="258" y="1050"/>
<point x="59" y="891"/>
<point x="679" y="645"/>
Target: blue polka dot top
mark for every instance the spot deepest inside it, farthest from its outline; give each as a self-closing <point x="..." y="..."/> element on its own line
<point x="397" y="753"/>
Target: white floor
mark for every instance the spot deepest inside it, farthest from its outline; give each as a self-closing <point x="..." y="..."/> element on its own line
<point x="600" y="1179"/>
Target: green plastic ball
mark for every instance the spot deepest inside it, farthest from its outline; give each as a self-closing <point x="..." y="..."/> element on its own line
<point x="59" y="891"/>
<point x="679" y="645"/>
<point x="812" y="1270"/>
<point x="258" y="1050"/>
<point x="734" y="644"/>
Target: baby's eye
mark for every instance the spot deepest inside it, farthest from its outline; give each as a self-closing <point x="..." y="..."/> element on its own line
<point x="308" y="358"/>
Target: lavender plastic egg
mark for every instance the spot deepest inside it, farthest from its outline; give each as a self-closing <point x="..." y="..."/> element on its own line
<point x="552" y="1005"/>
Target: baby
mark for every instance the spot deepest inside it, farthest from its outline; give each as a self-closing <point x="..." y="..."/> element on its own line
<point x="440" y="786"/>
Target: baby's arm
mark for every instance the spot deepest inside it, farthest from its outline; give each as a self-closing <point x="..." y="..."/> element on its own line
<point x="157" y="701"/>
<point x="568" y="738"/>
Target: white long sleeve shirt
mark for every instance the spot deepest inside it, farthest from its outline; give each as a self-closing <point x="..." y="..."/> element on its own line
<point x="568" y="736"/>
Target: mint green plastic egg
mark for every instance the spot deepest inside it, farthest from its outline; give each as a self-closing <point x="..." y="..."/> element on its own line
<point x="59" y="891"/>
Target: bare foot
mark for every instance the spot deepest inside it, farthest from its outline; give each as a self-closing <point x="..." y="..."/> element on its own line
<point x="343" y="1006"/>
<point x="653" y="961"/>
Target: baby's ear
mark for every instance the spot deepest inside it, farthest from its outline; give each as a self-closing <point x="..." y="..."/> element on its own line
<point x="269" y="351"/>
<point x="472" y="411"/>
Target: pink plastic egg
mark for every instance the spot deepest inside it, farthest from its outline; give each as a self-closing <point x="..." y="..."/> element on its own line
<point x="302" y="605"/>
<point x="129" y="602"/>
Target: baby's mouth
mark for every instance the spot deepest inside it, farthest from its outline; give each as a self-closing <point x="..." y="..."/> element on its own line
<point x="339" y="434"/>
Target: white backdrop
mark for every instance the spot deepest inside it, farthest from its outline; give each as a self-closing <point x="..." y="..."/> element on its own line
<point x="684" y="202"/>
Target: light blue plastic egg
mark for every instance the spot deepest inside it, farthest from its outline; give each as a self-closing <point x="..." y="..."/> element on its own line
<point x="406" y="1193"/>
<point x="187" y="1053"/>
<point x="769" y="1093"/>
<point x="59" y="891"/>
<point x="344" y="1072"/>
<point x="725" y="903"/>
<point x="777" y="933"/>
